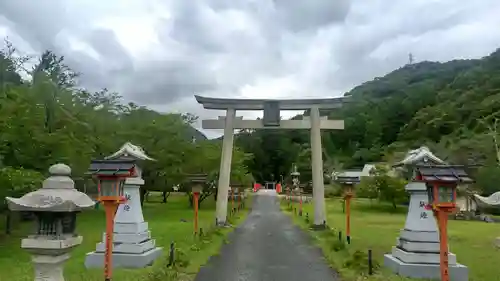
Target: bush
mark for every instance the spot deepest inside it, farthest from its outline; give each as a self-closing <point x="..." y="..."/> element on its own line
<point x="358" y="261"/>
<point x="333" y="190"/>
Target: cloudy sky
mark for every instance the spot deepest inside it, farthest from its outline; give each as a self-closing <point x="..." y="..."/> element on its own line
<point x="160" y="53"/>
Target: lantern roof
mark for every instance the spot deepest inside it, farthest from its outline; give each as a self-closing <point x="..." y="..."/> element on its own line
<point x="129" y="150"/>
<point x="348" y="179"/>
<point x="197" y="178"/>
<point x="444" y="173"/>
<point x="58" y="194"/>
<point x="117" y="168"/>
<point x="418" y="156"/>
<point x="295" y="172"/>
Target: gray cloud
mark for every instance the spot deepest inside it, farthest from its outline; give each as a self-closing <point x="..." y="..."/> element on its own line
<point x="162" y="52"/>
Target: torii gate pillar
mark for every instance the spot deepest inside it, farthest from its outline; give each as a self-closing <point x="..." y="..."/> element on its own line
<point x="225" y="167"/>
<point x="317" y="170"/>
<point x="272" y="120"/>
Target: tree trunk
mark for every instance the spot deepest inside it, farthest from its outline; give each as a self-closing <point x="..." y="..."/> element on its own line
<point x="165" y="195"/>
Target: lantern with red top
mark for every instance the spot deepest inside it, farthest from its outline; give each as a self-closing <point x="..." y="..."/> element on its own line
<point x="197" y="182"/>
<point x="111" y="176"/>
<point x="348" y="183"/>
<point x="442" y="181"/>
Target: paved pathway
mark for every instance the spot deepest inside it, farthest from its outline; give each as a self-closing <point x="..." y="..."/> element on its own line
<point x="267" y="247"/>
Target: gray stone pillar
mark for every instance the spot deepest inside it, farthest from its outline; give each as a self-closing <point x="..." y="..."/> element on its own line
<point x="416" y="254"/>
<point x="48" y="256"/>
<point x="132" y="243"/>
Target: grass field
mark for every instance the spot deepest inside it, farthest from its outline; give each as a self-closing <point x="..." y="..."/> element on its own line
<point x="167" y="222"/>
<point x="375" y="227"/>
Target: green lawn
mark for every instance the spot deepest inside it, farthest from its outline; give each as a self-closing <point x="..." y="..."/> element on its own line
<point x="166" y="225"/>
<point x="374" y="227"/>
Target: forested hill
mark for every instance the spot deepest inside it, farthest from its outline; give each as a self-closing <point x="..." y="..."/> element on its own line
<point x="451" y="107"/>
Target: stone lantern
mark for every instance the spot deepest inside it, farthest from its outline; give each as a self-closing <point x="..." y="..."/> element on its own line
<point x="133" y="246"/>
<point x="417" y="252"/>
<point x="55" y="206"/>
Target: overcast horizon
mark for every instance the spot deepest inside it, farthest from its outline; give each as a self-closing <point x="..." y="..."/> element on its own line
<point x="161" y="53"/>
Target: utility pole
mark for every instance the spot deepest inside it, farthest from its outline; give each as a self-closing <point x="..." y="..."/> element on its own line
<point x="410" y="58"/>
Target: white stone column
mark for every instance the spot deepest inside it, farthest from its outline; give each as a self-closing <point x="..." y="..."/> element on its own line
<point x="225" y="167"/>
<point x="317" y="168"/>
<point x="131" y="211"/>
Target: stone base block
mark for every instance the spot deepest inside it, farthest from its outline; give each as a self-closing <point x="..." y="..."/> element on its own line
<point x="319" y="227"/>
<point x="409" y="257"/>
<point x="125" y="248"/>
<point x="140" y="227"/>
<point x="419" y="236"/>
<point x="96" y="259"/>
<point x="130" y="238"/>
<point x="419" y="247"/>
<point x="458" y="272"/>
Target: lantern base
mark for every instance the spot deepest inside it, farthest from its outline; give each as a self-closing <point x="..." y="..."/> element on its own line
<point x="458" y="272"/>
<point x="49" y="256"/>
<point x="132" y="247"/>
<point x="124" y="260"/>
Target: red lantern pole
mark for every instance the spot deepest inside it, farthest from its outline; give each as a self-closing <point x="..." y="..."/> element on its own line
<point x="443" y="245"/>
<point x="300" y="202"/>
<point x="195" y="199"/>
<point x="289" y="191"/>
<point x="240" y="198"/>
<point x="441" y="212"/>
<point x="232" y="199"/>
<point x="348" y="197"/>
<point x="110" y="207"/>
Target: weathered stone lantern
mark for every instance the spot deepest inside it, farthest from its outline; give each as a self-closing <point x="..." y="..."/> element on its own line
<point x="133" y="246"/>
<point x="417" y="252"/>
<point x="55" y="207"/>
<point x="197" y="182"/>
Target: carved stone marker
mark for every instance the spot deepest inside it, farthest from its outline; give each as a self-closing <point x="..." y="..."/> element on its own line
<point x="416" y="254"/>
<point x="133" y="246"/>
<point x="55" y="206"/>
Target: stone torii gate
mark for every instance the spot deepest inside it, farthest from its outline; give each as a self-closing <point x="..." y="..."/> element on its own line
<point x="272" y="120"/>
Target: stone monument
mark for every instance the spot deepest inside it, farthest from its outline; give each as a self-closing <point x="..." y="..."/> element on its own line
<point x="133" y="246"/>
<point x="55" y="206"/>
<point x="416" y="254"/>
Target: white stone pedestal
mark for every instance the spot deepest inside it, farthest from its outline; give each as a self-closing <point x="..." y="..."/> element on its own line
<point x="416" y="254"/>
<point x="132" y="243"/>
<point x="49" y="256"/>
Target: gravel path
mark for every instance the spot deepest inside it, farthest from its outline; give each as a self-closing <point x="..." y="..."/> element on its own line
<point x="267" y="247"/>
